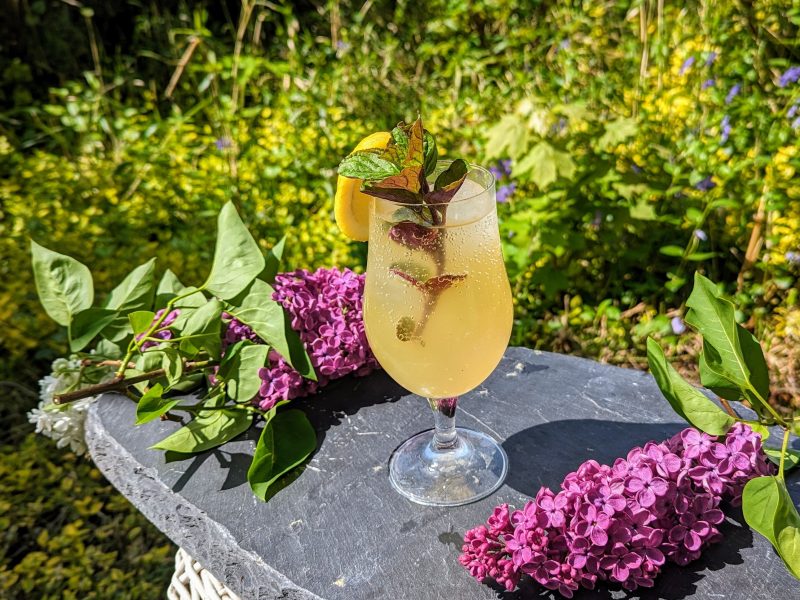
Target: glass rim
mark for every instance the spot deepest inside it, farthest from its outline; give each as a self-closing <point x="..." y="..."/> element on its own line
<point x="489" y="188"/>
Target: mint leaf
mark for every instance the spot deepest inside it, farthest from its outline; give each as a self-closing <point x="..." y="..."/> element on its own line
<point x="368" y="166"/>
<point x="438" y="284"/>
<point x="400" y="138"/>
<point x="430" y="152"/>
<point x="406" y="327"/>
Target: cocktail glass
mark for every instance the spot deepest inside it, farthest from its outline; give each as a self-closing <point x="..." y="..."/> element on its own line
<point x="438" y="316"/>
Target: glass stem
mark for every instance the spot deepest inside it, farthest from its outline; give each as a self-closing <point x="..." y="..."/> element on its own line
<point x="444" y="414"/>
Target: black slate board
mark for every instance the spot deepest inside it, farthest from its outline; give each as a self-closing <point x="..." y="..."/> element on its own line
<point x="339" y="532"/>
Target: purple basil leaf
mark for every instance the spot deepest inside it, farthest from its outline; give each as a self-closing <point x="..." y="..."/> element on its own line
<point x="406" y="277"/>
<point x="414" y="236"/>
<point x="438" y="284"/>
<point x="456" y="172"/>
<point x="393" y="194"/>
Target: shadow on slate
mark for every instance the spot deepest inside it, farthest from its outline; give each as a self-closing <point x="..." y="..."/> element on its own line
<point x="566" y="448"/>
<point x="340" y="401"/>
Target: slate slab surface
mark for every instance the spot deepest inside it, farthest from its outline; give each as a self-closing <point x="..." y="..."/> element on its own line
<point x="339" y="532"/>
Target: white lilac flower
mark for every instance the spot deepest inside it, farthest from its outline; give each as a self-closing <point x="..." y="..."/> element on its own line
<point x="64" y="424"/>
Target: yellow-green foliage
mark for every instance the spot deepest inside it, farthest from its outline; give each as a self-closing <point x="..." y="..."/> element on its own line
<point x="65" y="533"/>
<point x="157" y="195"/>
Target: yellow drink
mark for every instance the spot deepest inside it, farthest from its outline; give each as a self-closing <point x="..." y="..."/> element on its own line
<point x="444" y="343"/>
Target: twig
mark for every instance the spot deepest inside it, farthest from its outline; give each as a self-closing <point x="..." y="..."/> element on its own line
<point x="121" y="383"/>
<point x="728" y="408"/>
<point x="194" y="41"/>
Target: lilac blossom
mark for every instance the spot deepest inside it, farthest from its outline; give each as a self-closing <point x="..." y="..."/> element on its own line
<point x="163" y="332"/>
<point x="325" y="309"/>
<point x="620" y="523"/>
<point x="791" y="75"/>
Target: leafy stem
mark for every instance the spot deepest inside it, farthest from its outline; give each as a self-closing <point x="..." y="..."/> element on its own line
<point x="135" y="344"/>
<point x="784" y="446"/>
<point x="122" y="383"/>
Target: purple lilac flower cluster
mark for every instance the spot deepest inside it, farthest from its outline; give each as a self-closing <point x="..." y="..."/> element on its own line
<point x="164" y="332"/>
<point x="325" y="308"/>
<point x="620" y="523"/>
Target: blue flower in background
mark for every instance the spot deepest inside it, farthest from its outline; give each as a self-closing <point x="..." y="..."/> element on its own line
<point x="793" y="110"/>
<point x="505" y="192"/>
<point x="687" y="64"/>
<point x="564" y="44"/>
<point x="705" y="185"/>
<point x="734" y="91"/>
<point x="725" y="129"/>
<point x="792" y="257"/>
<point x="701" y="235"/>
<point x="502" y="170"/>
<point x="711" y="58"/>
<point x="707" y="84"/>
<point x="796" y="123"/>
<point x="678" y="326"/>
<point x="223" y="143"/>
<point x="791" y="75"/>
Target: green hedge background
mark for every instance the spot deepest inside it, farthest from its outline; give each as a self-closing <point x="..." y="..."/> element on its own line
<point x="647" y="142"/>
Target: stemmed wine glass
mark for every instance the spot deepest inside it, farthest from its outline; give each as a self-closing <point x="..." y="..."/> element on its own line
<point x="438" y="316"/>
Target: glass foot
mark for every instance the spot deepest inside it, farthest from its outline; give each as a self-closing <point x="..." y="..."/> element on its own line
<point x="472" y="469"/>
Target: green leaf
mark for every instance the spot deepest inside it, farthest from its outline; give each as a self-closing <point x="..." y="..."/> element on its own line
<point x="400" y="138"/>
<point x="210" y="429"/>
<point x="700" y="256"/>
<point x="268" y="320"/>
<point x="544" y="164"/>
<point x="729" y="350"/>
<point x="286" y="442"/>
<point x="205" y="323"/>
<point x="64" y="285"/>
<point x="617" y="131"/>
<point x="367" y="165"/>
<point x="769" y="510"/>
<point x="86" y="325"/>
<point x="140" y="320"/>
<point x="172" y="364"/>
<point x="430" y="151"/>
<point x="508" y="138"/>
<point x="135" y="292"/>
<point x="237" y="257"/>
<point x="790" y="462"/>
<point x="789" y="548"/>
<point x="169" y="287"/>
<point x="273" y="261"/>
<point x="715" y="382"/>
<point x="192" y="300"/>
<point x="151" y="405"/>
<point x="239" y="368"/>
<point x="686" y="400"/>
<point x="675" y="251"/>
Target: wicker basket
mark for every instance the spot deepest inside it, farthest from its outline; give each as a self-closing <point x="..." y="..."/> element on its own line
<point x="192" y="582"/>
